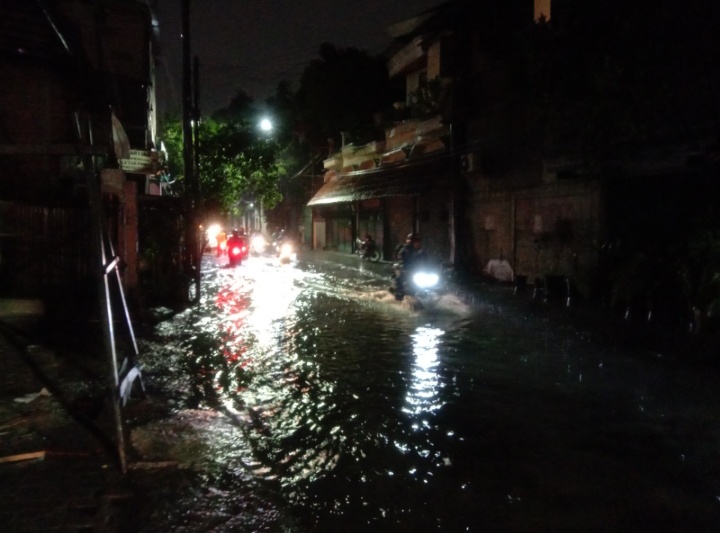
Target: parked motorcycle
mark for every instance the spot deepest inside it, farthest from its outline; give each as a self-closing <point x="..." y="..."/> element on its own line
<point x="367" y="249"/>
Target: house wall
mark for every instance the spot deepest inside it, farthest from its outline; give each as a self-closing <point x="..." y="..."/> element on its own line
<point x="41" y="91"/>
<point x="125" y="28"/>
<point x="400" y="217"/>
<point x="412" y="82"/>
<point x="547" y="229"/>
<point x="337" y="221"/>
<point x="542" y="9"/>
<point x="434" y="223"/>
<point x="433" y="60"/>
<point x="35" y="112"/>
<point x="39" y="97"/>
<point x="428" y="70"/>
<point x="491" y="217"/>
<point x="31" y="91"/>
<point x="371" y="220"/>
<point x="128" y="240"/>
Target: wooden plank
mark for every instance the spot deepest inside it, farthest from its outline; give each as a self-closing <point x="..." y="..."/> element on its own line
<point x="22" y="457"/>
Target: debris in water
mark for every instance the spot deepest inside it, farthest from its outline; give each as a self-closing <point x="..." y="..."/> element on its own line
<point x="33" y="396"/>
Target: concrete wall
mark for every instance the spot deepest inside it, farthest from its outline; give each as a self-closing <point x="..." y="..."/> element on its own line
<point x="38" y="99"/>
<point x="35" y="112"/>
<point x="434" y="56"/>
<point x="548" y="229"/>
<point x="434" y="222"/>
<point x="399" y="218"/>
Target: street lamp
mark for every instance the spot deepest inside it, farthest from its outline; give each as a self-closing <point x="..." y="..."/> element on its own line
<point x="266" y="125"/>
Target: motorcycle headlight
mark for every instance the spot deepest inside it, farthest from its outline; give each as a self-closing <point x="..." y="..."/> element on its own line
<point x="286" y="249"/>
<point x="425" y="280"/>
<point x="258" y="243"/>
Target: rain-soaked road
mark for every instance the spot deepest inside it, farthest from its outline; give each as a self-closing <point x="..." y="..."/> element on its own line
<point x="339" y="409"/>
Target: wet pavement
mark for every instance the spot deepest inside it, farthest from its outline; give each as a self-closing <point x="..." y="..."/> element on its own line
<point x="56" y="472"/>
<point x="302" y="397"/>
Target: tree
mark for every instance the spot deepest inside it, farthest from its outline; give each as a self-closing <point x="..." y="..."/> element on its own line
<point x="240" y="110"/>
<point x="613" y="76"/>
<point x="171" y="136"/>
<point x="291" y="134"/>
<point x="235" y="161"/>
<point x="341" y="93"/>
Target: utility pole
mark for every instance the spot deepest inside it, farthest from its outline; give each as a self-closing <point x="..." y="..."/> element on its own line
<point x="198" y="215"/>
<point x="196" y="121"/>
<point x="456" y="117"/>
<point x="193" y="255"/>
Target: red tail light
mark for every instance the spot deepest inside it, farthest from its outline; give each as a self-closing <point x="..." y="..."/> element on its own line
<point x="236" y="251"/>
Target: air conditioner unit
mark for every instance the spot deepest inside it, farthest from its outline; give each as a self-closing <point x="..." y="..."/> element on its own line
<point x="468" y="162"/>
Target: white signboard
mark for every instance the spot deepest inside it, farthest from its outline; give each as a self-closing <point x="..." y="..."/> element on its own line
<point x="140" y="162"/>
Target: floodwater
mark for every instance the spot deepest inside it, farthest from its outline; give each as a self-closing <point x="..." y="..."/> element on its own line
<point x="339" y="409"/>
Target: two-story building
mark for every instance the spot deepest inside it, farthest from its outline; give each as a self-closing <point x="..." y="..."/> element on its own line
<point x="77" y="101"/>
<point x="425" y="176"/>
<point x="494" y="170"/>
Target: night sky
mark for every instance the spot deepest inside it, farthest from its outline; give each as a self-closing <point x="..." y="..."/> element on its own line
<point x="254" y="44"/>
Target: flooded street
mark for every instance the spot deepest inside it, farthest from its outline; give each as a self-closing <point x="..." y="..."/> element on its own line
<point x="339" y="409"/>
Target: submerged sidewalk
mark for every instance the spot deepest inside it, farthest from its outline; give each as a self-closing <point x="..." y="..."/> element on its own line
<point x="55" y="473"/>
<point x="646" y="338"/>
<point x="58" y="454"/>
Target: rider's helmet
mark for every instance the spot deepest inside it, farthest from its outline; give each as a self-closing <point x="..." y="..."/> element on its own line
<point x="235" y="233"/>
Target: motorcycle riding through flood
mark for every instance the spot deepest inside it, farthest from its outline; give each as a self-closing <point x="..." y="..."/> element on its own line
<point x="284" y="246"/>
<point x="417" y="276"/>
<point x="237" y="248"/>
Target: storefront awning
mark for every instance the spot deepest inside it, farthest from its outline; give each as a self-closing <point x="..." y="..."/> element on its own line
<point x="398" y="180"/>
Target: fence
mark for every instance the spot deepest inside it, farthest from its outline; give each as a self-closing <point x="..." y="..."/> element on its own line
<point x="42" y="248"/>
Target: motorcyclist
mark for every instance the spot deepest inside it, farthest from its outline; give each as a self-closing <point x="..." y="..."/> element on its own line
<point x="410" y="255"/>
<point x="368" y="246"/>
<point x="278" y="237"/>
<point x="399" y="247"/>
<point x="237" y="239"/>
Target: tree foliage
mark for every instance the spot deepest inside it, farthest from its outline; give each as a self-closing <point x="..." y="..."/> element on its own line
<point x="236" y="162"/>
<point x="610" y="76"/>
<point x="341" y="92"/>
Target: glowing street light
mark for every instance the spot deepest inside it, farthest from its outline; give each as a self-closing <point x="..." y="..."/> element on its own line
<point x="266" y="125"/>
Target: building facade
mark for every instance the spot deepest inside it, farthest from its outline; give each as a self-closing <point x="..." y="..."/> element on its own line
<point x="533" y="158"/>
<point x="77" y="100"/>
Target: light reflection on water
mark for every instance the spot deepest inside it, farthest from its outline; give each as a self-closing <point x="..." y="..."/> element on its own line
<point x="334" y="389"/>
<point x="423" y="395"/>
<point x="367" y="416"/>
